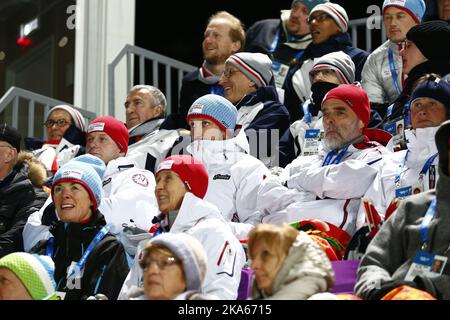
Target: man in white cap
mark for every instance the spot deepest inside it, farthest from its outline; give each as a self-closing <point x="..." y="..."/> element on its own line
<point x="382" y="75"/>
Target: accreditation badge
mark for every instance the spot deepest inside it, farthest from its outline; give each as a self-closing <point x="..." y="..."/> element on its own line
<point x="311" y="142"/>
<point x="427" y="265"/>
<point x="280" y="72"/>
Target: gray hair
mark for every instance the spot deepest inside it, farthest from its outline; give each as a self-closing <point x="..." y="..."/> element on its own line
<point x="157" y="97"/>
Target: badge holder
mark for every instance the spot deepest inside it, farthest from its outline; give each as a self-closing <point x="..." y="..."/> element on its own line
<point x="311" y="142"/>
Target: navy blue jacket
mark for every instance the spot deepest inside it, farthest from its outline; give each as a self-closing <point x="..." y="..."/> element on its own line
<point x="338" y="42"/>
<point x="273" y="116"/>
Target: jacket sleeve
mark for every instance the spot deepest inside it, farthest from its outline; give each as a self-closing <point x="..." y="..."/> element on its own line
<point x="131" y="198"/>
<point x="371" y="82"/>
<point x="247" y="191"/>
<point x="383" y="256"/>
<point x="226" y="258"/>
<point x="34" y="230"/>
<point x="327" y="182"/>
<point x="11" y="240"/>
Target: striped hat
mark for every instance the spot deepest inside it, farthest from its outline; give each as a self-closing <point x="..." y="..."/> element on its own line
<point x="34" y="271"/>
<point x="336" y="12"/>
<point x="339" y="62"/>
<point x="77" y="117"/>
<point x="256" y="66"/>
<point x="415" y="8"/>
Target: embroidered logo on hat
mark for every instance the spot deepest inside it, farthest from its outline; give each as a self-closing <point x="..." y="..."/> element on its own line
<point x="166" y="165"/>
<point x="73" y="174"/>
<point x="97" y="126"/>
<point x="196" y="108"/>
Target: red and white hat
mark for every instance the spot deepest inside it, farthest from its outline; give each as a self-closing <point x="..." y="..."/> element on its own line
<point x="336" y="12"/>
<point x="354" y="97"/>
<point x="191" y="171"/>
<point x="113" y="128"/>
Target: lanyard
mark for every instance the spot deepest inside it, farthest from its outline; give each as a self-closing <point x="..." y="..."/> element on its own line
<point x="299" y="55"/>
<point x="423" y="172"/>
<point x="329" y="159"/>
<point x="90" y="248"/>
<point x="393" y="71"/>
<point x="431" y="212"/>
<point x="274" y="44"/>
<point x="50" y="247"/>
<point x="306" y="113"/>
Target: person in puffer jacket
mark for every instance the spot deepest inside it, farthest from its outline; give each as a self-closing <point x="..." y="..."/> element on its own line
<point x="412" y="247"/>
<point x="287" y="264"/>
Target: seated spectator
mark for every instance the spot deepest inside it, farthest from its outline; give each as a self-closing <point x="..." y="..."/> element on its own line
<point x="422" y="54"/>
<point x="224" y="35"/>
<point x="382" y="75"/>
<point x="234" y="175"/>
<point x="288" y="264"/>
<point x="25" y="276"/>
<point x="182" y="182"/>
<point x="328" y="72"/>
<point x="246" y="81"/>
<point x="127" y="190"/>
<point x="329" y="25"/>
<point x="415" y="168"/>
<point x="21" y="179"/>
<point x="349" y="155"/>
<point x="282" y="39"/>
<point x="66" y="131"/>
<point x="88" y="259"/>
<point x="412" y="240"/>
<point x="145" y="109"/>
<point x="174" y="267"/>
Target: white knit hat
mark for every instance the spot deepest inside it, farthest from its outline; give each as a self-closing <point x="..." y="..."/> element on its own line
<point x="339" y="62"/>
<point x="191" y="253"/>
<point x="77" y="117"/>
<point x="256" y="66"/>
<point x="34" y="271"/>
<point x="337" y="12"/>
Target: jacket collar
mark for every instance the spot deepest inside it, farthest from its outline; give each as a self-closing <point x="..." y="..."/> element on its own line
<point x="192" y="211"/>
<point x="337" y="41"/>
<point x="421" y="144"/>
<point x="262" y="94"/>
<point x="118" y="165"/>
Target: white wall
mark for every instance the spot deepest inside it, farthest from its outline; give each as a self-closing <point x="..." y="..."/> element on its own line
<point x="104" y="27"/>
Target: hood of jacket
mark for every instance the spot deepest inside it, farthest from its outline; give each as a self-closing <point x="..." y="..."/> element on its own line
<point x="192" y="211"/>
<point x="421" y="145"/>
<point x="216" y="152"/>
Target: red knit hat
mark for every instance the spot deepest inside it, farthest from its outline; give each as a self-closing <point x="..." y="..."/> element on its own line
<point x="190" y="170"/>
<point x="114" y="128"/>
<point x="354" y="97"/>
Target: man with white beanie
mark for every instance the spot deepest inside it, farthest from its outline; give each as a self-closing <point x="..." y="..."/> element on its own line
<point x="382" y="75"/>
<point x="329" y="25"/>
<point x="247" y="81"/>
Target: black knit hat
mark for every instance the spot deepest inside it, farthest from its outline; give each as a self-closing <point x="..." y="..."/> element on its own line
<point x="10" y="135"/>
<point x="432" y="39"/>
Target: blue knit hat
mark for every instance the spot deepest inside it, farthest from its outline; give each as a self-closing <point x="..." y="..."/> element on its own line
<point x="415" y="8"/>
<point x="310" y="4"/>
<point x="215" y="108"/>
<point x="86" y="170"/>
<point x="434" y="88"/>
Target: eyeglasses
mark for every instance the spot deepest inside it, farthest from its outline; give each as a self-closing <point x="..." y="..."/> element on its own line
<point x="162" y="263"/>
<point x="227" y="73"/>
<point x="60" y="123"/>
<point x="320" y="18"/>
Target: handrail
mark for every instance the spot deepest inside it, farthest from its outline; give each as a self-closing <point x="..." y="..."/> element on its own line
<point x="14" y="94"/>
<point x="157" y="59"/>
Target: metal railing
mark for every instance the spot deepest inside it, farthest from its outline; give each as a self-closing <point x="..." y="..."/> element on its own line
<point x="168" y="65"/>
<point x="16" y="96"/>
<point x="357" y="24"/>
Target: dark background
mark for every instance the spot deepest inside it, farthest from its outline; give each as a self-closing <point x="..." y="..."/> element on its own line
<point x="175" y="28"/>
